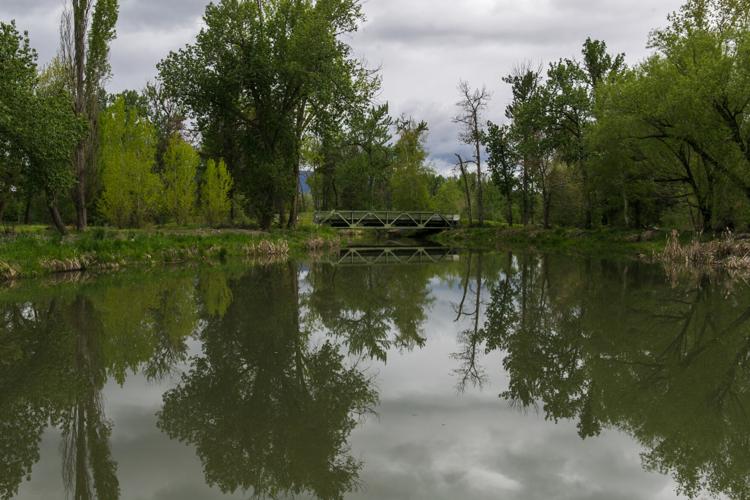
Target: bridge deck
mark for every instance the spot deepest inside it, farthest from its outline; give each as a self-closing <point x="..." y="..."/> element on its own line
<point x="386" y="220"/>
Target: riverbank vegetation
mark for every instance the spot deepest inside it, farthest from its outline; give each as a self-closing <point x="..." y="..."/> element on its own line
<point x="726" y="253"/>
<point x="37" y="251"/>
<point x="290" y="122"/>
<point x="631" y="243"/>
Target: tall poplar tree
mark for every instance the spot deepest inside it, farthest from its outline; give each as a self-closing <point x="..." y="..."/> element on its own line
<point x="87" y="29"/>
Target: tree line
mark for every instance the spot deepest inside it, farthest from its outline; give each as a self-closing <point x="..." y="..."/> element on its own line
<point x="592" y="142"/>
<point x="267" y="113"/>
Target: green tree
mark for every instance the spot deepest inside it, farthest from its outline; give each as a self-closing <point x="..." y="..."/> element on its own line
<point x="551" y="120"/>
<point x="637" y="172"/>
<point x="215" y="191"/>
<point x="87" y="29"/>
<point x="449" y="198"/>
<point x="533" y="137"/>
<point x="259" y="76"/>
<point x="167" y="116"/>
<point x="571" y="92"/>
<point x="132" y="192"/>
<point x="525" y="83"/>
<point x="691" y="107"/>
<point x="38" y="131"/>
<point x="17" y="79"/>
<point x="179" y="173"/>
<point x="502" y="161"/>
<point x="365" y="159"/>
<point x="410" y="180"/>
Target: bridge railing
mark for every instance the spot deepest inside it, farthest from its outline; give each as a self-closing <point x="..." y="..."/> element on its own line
<point x="369" y="256"/>
<point x="386" y="219"/>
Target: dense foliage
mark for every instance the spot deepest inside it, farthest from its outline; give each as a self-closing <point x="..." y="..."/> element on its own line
<point x="665" y="142"/>
<point x="271" y="89"/>
<point x="37" y="128"/>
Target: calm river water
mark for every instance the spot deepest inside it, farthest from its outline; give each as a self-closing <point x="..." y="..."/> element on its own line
<point x="514" y="376"/>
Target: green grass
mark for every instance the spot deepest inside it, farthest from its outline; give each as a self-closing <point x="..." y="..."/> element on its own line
<point x="36" y="250"/>
<point x="610" y="241"/>
<point x="29" y="250"/>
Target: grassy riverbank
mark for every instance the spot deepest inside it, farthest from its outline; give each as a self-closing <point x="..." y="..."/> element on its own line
<point x="686" y="252"/>
<point x="31" y="251"/>
<point x="560" y="239"/>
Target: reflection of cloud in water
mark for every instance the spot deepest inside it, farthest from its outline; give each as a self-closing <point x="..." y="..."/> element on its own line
<point x="479" y="448"/>
<point x="430" y="442"/>
<point x="427" y="440"/>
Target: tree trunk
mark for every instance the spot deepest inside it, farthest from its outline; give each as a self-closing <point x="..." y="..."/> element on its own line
<point x="3" y="203"/>
<point x="79" y="194"/>
<point x="547" y="200"/>
<point x="329" y="194"/>
<point x="525" y="209"/>
<point x="707" y="216"/>
<point x="371" y="189"/>
<point x="280" y="204"/>
<point x="55" y="214"/>
<point x="480" y="189"/>
<point x="265" y="221"/>
<point x="509" y="200"/>
<point x="27" y="211"/>
<point x="301" y="195"/>
<point x="589" y="216"/>
<point x="80" y="22"/>
<point x="638" y="210"/>
<point x="588" y="198"/>
<point x="467" y="191"/>
<point x="625" y="208"/>
<point x="292" y="222"/>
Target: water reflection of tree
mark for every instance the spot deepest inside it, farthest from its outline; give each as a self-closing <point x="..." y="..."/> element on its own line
<point x="611" y="345"/>
<point x="31" y="393"/>
<point x="58" y="350"/>
<point x="267" y="411"/>
<point x="371" y="308"/>
<point x="88" y="468"/>
<point x="470" y="371"/>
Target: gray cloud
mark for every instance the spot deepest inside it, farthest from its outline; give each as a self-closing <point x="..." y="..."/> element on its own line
<point x="423" y="46"/>
<point x="161" y="15"/>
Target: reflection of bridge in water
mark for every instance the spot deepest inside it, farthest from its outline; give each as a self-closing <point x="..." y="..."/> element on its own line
<point x="358" y="256"/>
<point x="387" y="220"/>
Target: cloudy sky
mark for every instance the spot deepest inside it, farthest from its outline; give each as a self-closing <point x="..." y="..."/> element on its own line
<point x="423" y="46"/>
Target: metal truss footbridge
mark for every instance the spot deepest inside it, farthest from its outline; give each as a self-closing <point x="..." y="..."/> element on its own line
<point x="387" y="220"/>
